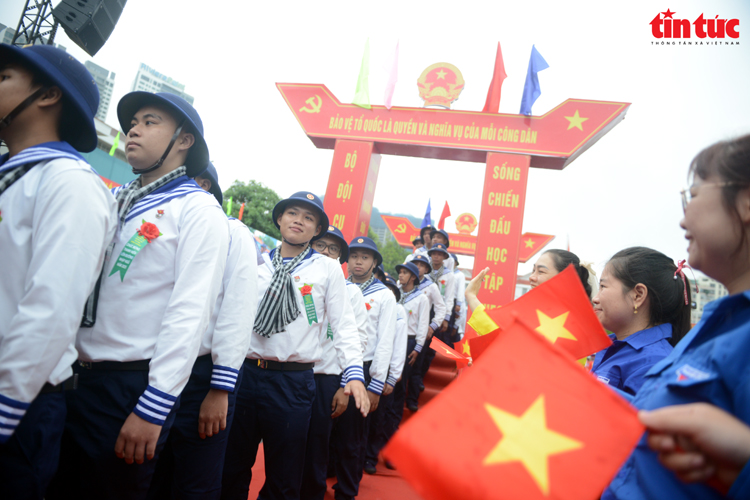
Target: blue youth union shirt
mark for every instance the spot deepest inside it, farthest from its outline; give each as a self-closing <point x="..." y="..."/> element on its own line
<point x="711" y="365"/>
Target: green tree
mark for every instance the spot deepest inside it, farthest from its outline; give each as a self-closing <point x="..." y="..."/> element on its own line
<point x="393" y="254"/>
<point x="259" y="201"/>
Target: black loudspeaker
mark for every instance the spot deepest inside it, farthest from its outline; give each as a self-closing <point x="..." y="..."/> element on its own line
<point x="89" y="22"/>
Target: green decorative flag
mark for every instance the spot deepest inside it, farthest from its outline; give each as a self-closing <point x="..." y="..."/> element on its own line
<point x="229" y="207"/>
<point x="114" y="145"/>
<point x="362" y="94"/>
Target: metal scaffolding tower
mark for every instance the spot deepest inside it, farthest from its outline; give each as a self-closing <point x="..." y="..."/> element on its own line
<point x="36" y="26"/>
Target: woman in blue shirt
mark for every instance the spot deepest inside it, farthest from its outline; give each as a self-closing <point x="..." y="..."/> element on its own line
<point x="648" y="310"/>
<point x="711" y="363"/>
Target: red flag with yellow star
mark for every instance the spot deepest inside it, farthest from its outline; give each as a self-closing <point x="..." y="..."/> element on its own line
<point x="442" y="349"/>
<point x="463" y="347"/>
<point x="479" y="344"/>
<point x="560" y="310"/>
<point x="533" y="426"/>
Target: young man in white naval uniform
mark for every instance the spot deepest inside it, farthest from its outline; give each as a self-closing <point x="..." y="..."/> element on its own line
<point x="56" y="219"/>
<point x="192" y="461"/>
<point x="441" y="236"/>
<point x="379" y="425"/>
<point x="444" y="281"/>
<point x="300" y="292"/>
<point x="437" y="324"/>
<point x="143" y="325"/>
<point x="417" y="307"/>
<point x="350" y="434"/>
<point x="330" y="401"/>
<point x="424" y="235"/>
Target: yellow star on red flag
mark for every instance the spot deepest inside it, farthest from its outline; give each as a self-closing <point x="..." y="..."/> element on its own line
<point x="576" y="121"/>
<point x="528" y="440"/>
<point x="553" y="328"/>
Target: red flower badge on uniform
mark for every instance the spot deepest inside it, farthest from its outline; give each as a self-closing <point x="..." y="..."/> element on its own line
<point x="368" y="306"/>
<point x="149" y="231"/>
<point x="306" y="290"/>
<point x="442" y="282"/>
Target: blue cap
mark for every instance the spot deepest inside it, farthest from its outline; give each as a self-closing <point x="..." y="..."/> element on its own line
<point x="391" y="283"/>
<point x="210" y="174"/>
<point x="421" y="258"/>
<point x="368" y="244"/>
<point x="336" y="233"/>
<point x="197" y="157"/>
<point x="441" y="231"/>
<point x="73" y="79"/>
<point x="417" y="239"/>
<point x="455" y="258"/>
<point x="411" y="267"/>
<point x="428" y="227"/>
<point x="304" y="198"/>
<point x="439" y="247"/>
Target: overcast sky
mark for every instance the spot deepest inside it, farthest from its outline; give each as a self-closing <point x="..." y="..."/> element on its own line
<point x="624" y="191"/>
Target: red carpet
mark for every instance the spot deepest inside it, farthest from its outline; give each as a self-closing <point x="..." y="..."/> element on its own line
<point x="385" y="484"/>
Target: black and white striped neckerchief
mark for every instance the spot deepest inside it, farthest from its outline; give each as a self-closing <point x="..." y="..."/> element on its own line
<point x="363" y="286"/>
<point x="435" y="274"/>
<point x="126" y="197"/>
<point x="279" y="305"/>
<point x="406" y="295"/>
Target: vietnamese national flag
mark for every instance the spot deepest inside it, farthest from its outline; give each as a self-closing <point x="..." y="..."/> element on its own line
<point x="479" y="344"/>
<point x="446" y="213"/>
<point x="492" y="104"/>
<point x="442" y="348"/>
<point x="463" y="347"/>
<point x="560" y="310"/>
<point x="525" y="422"/>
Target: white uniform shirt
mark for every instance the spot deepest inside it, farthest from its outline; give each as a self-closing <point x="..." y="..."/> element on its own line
<point x="460" y="283"/>
<point x="430" y="289"/>
<point x="55" y="224"/>
<point x="446" y="285"/>
<point x="300" y="341"/>
<point x="399" y="346"/>
<point x="381" y="328"/>
<point x="330" y="364"/>
<point x="161" y="307"/>
<point x="417" y="307"/>
<point x="228" y="335"/>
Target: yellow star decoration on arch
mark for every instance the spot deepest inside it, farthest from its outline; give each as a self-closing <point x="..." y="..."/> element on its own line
<point x="441" y="74"/>
<point x="576" y="121"/>
<point x="528" y="440"/>
<point x="529" y="243"/>
<point x="553" y="328"/>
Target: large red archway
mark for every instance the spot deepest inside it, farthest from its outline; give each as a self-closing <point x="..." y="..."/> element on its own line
<point x="507" y="144"/>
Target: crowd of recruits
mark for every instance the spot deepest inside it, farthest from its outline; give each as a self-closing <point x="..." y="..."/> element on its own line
<point x="185" y="324"/>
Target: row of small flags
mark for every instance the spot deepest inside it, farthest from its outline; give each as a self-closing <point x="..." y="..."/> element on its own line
<point x="531" y="88"/>
<point x="526" y="420"/>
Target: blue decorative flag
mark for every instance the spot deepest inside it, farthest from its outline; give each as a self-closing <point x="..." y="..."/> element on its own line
<point x="531" y="89"/>
<point x="427" y="221"/>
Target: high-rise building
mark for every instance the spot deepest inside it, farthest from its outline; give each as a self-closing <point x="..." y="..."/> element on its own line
<point x="105" y="80"/>
<point x="7" y="33"/>
<point x="150" y="80"/>
<point x="708" y="290"/>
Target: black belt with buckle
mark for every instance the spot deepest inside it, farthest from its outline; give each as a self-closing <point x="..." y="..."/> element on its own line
<point x="67" y="385"/>
<point x="135" y="366"/>
<point x="289" y="366"/>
